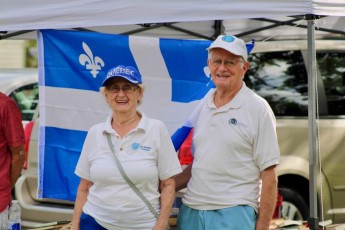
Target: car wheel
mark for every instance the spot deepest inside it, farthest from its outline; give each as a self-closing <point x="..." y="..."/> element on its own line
<point x="294" y="207"/>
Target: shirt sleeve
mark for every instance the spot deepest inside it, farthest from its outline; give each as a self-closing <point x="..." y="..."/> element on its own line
<point x="266" y="148"/>
<point x="14" y="132"/>
<point x="83" y="166"/>
<point x="168" y="163"/>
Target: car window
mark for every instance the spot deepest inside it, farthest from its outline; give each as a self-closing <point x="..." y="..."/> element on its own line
<point x="332" y="70"/>
<point x="27" y="100"/>
<point x="280" y="78"/>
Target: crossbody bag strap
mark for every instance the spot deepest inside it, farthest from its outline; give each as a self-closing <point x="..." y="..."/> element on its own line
<point x="129" y="182"/>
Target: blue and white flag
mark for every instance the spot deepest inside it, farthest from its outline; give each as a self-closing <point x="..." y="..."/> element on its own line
<point x="72" y="66"/>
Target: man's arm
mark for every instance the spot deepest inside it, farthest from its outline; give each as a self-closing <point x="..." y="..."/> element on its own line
<point x="17" y="163"/>
<point x="181" y="180"/>
<point x="268" y="197"/>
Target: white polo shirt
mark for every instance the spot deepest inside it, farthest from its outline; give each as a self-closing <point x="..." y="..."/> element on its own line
<point x="147" y="156"/>
<point x="232" y="144"/>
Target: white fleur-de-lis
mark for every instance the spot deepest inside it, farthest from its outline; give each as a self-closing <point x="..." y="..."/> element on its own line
<point x="207" y="72"/>
<point x="91" y="63"/>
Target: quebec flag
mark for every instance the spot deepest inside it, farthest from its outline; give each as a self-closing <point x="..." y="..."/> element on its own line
<point x="72" y="66"/>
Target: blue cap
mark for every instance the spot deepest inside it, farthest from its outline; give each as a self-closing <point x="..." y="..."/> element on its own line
<point x="127" y="72"/>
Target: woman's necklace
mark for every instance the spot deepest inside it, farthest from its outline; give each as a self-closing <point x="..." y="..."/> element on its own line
<point x="122" y="128"/>
<point x="125" y="123"/>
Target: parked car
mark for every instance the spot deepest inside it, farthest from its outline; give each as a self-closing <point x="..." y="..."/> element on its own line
<point x="278" y="73"/>
<point x="37" y="211"/>
<point x="21" y="85"/>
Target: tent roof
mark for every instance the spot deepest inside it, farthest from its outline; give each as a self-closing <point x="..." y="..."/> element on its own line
<point x="186" y="19"/>
<point x="18" y="15"/>
<point x="259" y="29"/>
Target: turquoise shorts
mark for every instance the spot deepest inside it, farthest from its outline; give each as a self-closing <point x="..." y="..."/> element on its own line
<point x="233" y="218"/>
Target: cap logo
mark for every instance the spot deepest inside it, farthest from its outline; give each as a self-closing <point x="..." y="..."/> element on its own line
<point x="127" y="72"/>
<point x="120" y="70"/>
<point x="228" y="38"/>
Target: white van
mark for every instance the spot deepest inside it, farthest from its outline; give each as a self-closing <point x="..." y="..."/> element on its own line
<point x="278" y="73"/>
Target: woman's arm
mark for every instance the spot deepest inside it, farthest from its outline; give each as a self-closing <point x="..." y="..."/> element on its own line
<point x="167" y="198"/>
<point x="82" y="193"/>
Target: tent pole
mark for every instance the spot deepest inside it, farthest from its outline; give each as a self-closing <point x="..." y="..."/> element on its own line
<point x="9" y="35"/>
<point x="313" y="219"/>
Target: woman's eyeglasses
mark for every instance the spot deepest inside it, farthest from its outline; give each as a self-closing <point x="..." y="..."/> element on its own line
<point x="124" y="88"/>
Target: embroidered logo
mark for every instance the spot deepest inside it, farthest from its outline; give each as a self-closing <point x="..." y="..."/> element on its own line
<point x="145" y="148"/>
<point x="228" y="38"/>
<point x="234" y="121"/>
<point x="135" y="146"/>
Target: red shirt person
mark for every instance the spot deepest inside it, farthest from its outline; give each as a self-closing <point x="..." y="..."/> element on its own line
<point x="12" y="155"/>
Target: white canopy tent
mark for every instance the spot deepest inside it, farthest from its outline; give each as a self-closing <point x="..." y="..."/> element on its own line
<point x="36" y="14"/>
<point x="187" y="18"/>
<point x="176" y="19"/>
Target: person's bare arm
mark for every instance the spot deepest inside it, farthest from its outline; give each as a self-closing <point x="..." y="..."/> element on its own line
<point x="17" y="163"/>
<point x="167" y="198"/>
<point x="268" y="198"/>
<point x="182" y="179"/>
<point x="82" y="193"/>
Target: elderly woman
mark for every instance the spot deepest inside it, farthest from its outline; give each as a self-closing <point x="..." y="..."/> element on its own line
<point x="144" y="149"/>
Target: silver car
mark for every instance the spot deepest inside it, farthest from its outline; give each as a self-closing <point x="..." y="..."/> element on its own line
<point x="21" y="85"/>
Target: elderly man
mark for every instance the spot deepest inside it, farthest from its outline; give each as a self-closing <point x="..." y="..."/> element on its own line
<point x="232" y="182"/>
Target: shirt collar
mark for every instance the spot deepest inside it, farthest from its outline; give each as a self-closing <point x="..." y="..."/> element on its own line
<point x="143" y="123"/>
<point x="235" y="103"/>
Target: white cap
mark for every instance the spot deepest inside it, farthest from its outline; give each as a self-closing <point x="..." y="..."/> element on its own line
<point x="230" y="43"/>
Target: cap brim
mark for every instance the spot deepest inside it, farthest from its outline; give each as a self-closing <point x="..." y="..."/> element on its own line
<point x="231" y="51"/>
<point x="119" y="76"/>
<point x="220" y="47"/>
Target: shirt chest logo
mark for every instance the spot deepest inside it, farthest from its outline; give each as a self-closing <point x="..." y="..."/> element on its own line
<point x="136" y="146"/>
<point x="234" y="121"/>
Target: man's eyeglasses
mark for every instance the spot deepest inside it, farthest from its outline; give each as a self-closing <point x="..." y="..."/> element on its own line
<point x="124" y="88"/>
<point x="227" y="63"/>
